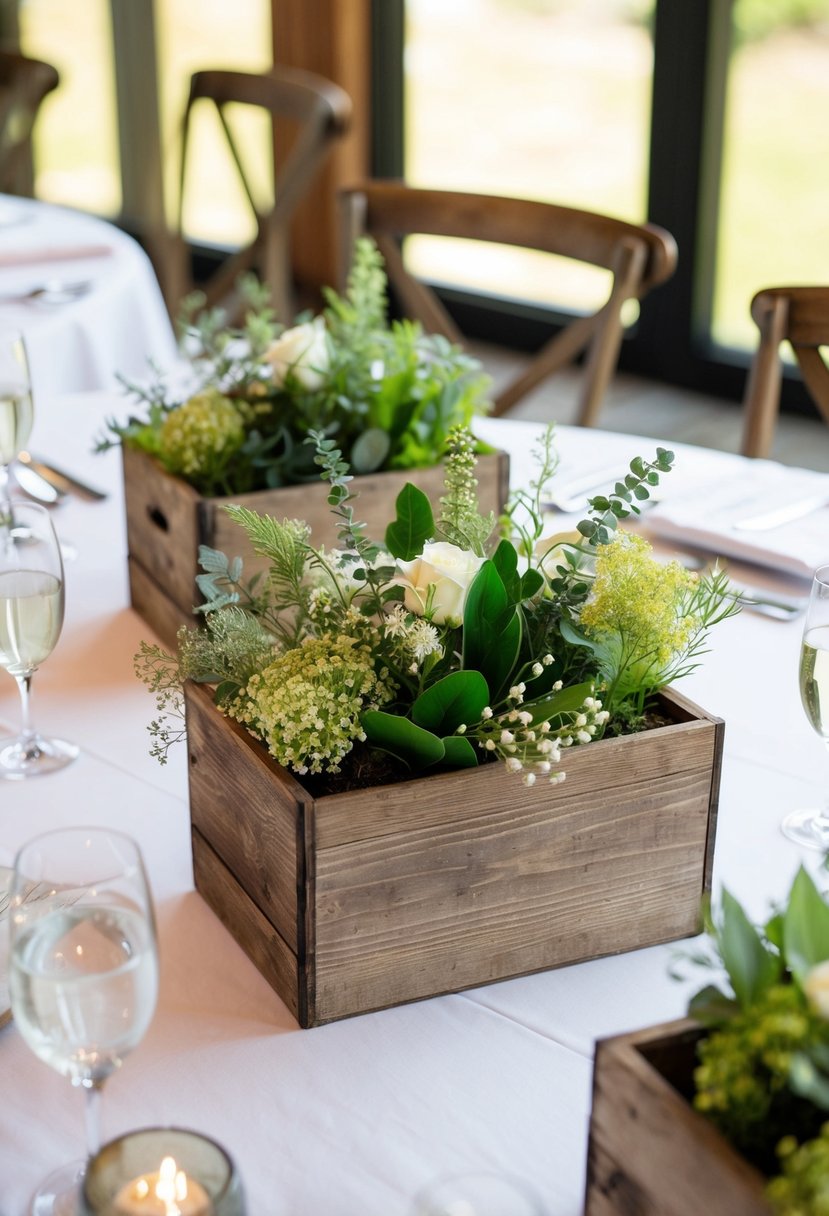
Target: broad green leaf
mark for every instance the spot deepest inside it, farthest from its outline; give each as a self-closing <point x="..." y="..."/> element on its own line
<point x="569" y="700"/>
<point x="457" y="699"/>
<point x="414" y="525"/>
<point x="415" y="747"/>
<point x="531" y="582"/>
<point x="712" y="1007"/>
<point x="459" y="752"/>
<point x="751" y="966"/>
<point x="505" y="561"/>
<point x="805" y="926"/>
<point x="576" y="638"/>
<point x="503" y="656"/>
<point x="486" y="612"/>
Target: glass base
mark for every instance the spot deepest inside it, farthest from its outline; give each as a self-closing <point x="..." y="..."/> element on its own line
<point x="34" y="755"/>
<point x="59" y="1194"/>
<point x="809" y="828"/>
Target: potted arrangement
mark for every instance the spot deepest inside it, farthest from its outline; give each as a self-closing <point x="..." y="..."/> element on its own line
<point x="377" y="740"/>
<point x="740" y="1090"/>
<point x="234" y="427"/>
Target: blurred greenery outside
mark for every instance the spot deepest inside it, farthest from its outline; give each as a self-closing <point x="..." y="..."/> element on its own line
<point x="547" y="99"/>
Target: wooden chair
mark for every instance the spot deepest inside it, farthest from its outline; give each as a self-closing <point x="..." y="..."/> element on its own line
<point x="314" y="112"/>
<point x="639" y="256"/>
<point x="24" y="83"/>
<point x="799" y="315"/>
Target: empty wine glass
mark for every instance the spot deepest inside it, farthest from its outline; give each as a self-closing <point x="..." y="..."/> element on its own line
<point x="83" y="971"/>
<point x="15" y="407"/>
<point x="31" y="616"/>
<point x="478" y="1194"/>
<point x="809" y="826"/>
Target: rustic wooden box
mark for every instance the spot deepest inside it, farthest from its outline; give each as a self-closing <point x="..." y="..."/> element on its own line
<point x="362" y="900"/>
<point x="167" y="520"/>
<point x="650" y="1153"/>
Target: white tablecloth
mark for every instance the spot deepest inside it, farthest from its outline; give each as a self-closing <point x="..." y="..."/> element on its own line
<point x="81" y="343"/>
<point x="352" y="1118"/>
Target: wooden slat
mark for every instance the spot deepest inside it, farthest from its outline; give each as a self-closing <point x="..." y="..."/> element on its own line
<point x="162" y="525"/>
<point x="162" y="614"/>
<point x="650" y="1153"/>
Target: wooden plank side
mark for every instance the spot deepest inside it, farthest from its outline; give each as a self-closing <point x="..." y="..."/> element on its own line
<point x="650" y="1153"/>
<point x="602" y="769"/>
<point x="375" y="507"/>
<point x="245" y="812"/>
<point x="263" y="945"/>
<point x="518" y="888"/>
<point x="162" y="525"/>
<point x="163" y="615"/>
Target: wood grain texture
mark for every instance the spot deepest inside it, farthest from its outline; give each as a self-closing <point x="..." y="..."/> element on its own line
<point x="650" y="1153"/>
<point x="452" y="881"/>
<point x="167" y="520"/>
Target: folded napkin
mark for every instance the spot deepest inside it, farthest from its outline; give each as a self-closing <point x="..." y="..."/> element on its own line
<point x="736" y="518"/>
<point x="67" y="253"/>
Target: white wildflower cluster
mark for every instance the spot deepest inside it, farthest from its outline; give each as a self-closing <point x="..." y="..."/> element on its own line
<point x="530" y="747"/>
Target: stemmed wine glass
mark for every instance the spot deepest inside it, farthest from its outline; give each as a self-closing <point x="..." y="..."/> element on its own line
<point x="16" y="412"/>
<point x="810" y="826"/>
<point x="31" y="616"/>
<point x="83" y="971"/>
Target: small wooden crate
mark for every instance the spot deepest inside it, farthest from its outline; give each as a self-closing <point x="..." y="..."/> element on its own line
<point x="167" y="520"/>
<point x="650" y="1153"/>
<point x="362" y="900"/>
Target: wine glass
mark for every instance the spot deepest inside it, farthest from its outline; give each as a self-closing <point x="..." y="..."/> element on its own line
<point x="83" y="969"/>
<point x="478" y="1194"/>
<point x="31" y="615"/>
<point x="16" y="414"/>
<point x="809" y="826"/>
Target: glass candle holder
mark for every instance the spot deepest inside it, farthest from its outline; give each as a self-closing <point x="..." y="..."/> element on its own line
<point x="158" y="1170"/>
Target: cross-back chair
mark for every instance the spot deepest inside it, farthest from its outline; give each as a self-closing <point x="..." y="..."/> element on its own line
<point x="799" y="315"/>
<point x="314" y="112"/>
<point x="639" y="257"/>
<point x="24" y="83"/>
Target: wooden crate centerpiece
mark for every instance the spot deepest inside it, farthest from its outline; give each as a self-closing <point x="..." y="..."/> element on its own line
<point x="650" y="1152"/>
<point x="363" y="900"/>
<point x="167" y="520"/>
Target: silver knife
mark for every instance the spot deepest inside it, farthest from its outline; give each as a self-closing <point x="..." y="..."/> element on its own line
<point x="37" y="487"/>
<point x="782" y="515"/>
<point x="65" y="483"/>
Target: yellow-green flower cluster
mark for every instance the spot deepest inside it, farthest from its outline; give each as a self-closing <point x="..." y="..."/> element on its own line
<point x="803" y="1187"/>
<point x="307" y="703"/>
<point x="201" y="434"/>
<point x="640" y="600"/>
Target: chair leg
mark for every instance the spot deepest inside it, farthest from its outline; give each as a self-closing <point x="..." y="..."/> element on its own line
<point x="762" y="397"/>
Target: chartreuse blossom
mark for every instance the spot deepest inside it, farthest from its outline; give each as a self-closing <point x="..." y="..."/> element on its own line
<point x="306" y="705"/>
<point x="198" y="439"/>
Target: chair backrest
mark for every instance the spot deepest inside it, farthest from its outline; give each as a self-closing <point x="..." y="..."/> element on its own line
<point x="318" y="112"/>
<point x="799" y="315"/>
<point x="24" y="83"/>
<point x="639" y="256"/>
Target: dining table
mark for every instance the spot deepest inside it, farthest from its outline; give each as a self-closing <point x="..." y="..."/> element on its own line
<point x="355" y="1117"/>
<point x="84" y="295"/>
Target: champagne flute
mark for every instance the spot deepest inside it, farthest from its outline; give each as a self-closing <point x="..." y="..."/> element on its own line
<point x="31" y="616"/>
<point x="809" y="826"/>
<point x="16" y="414"/>
<point x="83" y="969"/>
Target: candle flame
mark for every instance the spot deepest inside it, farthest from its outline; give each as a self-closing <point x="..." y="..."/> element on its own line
<point x="171" y="1186"/>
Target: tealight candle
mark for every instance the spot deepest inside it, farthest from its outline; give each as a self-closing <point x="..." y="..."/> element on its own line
<point x="161" y="1171"/>
<point x="168" y="1192"/>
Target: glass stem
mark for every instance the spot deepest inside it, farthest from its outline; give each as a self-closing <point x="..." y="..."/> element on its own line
<point x="24" y="683"/>
<point x="92" y="1116"/>
<point x="5" y="501"/>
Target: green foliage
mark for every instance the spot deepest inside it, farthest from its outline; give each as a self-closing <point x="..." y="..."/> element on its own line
<point x="387" y="396"/>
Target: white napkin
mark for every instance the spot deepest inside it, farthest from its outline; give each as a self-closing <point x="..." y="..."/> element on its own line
<point x="717" y="515"/>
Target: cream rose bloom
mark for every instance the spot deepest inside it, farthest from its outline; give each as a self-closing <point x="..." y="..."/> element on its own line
<point x="816" y="987"/>
<point x="449" y="570"/>
<point x="302" y="351"/>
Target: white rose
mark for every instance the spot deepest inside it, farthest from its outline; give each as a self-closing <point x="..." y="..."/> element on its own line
<point x="816" y="987"/>
<point x="302" y="351"/>
<point x="449" y="570"/>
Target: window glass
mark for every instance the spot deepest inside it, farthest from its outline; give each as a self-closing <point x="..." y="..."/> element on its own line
<point x="543" y="99"/>
<point x="772" y="230"/>
<point x="76" y="163"/>
<point x="213" y="34"/>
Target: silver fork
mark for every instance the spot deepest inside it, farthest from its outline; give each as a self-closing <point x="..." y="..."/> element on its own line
<point x="52" y="291"/>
